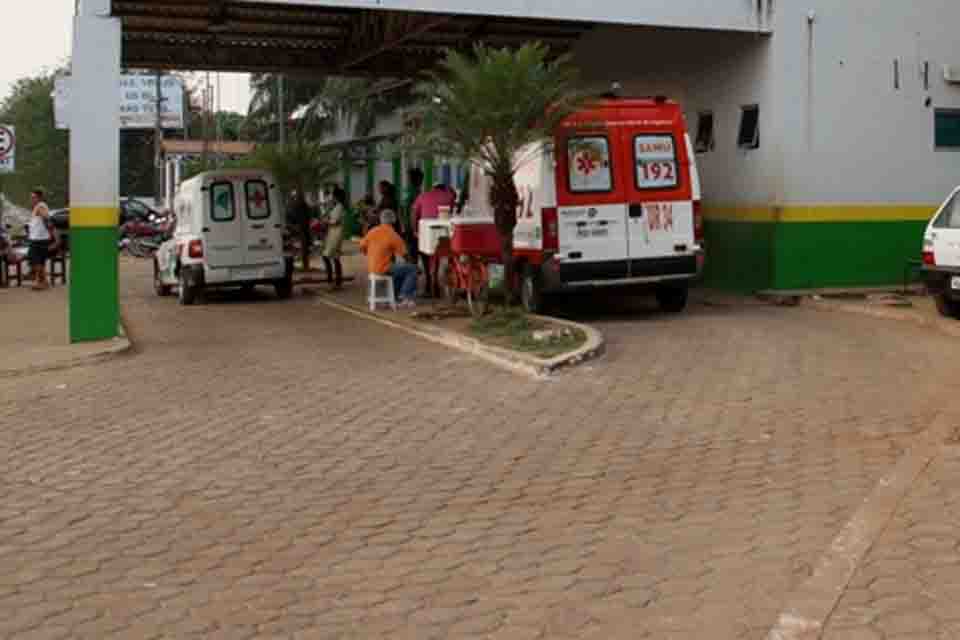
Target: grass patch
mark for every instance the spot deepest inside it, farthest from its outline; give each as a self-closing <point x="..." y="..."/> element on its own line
<point x="513" y="329"/>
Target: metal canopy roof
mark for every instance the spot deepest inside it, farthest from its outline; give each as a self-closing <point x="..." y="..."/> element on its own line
<point x="227" y="35"/>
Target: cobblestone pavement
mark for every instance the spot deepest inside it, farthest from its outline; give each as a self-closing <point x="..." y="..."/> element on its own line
<point x="270" y="469"/>
<point x="908" y="586"/>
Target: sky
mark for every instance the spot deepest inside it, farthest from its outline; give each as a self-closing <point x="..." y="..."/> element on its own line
<point x="38" y="34"/>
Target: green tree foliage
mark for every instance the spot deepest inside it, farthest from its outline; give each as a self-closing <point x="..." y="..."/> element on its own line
<point x="42" y="150"/>
<point x="494" y="108"/>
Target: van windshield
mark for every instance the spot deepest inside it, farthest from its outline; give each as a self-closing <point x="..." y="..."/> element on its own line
<point x="258" y="199"/>
<point x="589" y="166"/>
<point x="656" y="159"/>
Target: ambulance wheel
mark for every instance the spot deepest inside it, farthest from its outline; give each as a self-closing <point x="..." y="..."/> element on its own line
<point x="284" y="288"/>
<point x="672" y="299"/>
<point x="531" y="290"/>
<point x="188" y="292"/>
<point x="947" y="307"/>
<point x="161" y="289"/>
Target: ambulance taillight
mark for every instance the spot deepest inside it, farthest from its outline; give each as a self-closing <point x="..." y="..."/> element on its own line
<point x="697" y="222"/>
<point x="551" y="229"/>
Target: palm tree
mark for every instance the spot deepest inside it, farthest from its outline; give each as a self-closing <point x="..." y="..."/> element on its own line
<point x="490" y="108"/>
<point x="299" y="167"/>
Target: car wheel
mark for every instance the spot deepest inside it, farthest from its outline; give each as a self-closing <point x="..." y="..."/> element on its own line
<point x="947" y="307"/>
<point x="672" y="299"/>
<point x="188" y="292"/>
<point x="531" y="290"/>
<point x="284" y="288"/>
<point x="161" y="289"/>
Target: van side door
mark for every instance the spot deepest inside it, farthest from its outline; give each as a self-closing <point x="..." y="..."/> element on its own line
<point x="264" y="234"/>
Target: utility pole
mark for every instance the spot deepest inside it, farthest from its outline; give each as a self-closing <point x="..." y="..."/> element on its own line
<point x="159" y="190"/>
<point x="281" y="112"/>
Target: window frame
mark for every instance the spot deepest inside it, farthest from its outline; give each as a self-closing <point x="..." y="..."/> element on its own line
<point x="948" y="210"/>
<point x="213" y="205"/>
<point x="613" y="178"/>
<point x="944" y="111"/>
<point x="711" y="143"/>
<point x="755" y="141"/>
<point x="636" y="164"/>
<point x="246" y="195"/>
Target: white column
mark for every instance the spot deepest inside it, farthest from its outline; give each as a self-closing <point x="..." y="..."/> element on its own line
<point x="94" y="120"/>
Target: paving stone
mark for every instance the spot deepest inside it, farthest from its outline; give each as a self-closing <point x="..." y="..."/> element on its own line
<point x="260" y="468"/>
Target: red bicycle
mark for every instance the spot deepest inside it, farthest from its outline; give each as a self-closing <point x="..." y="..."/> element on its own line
<point x="465" y="272"/>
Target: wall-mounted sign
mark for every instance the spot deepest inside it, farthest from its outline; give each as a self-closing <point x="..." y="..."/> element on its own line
<point x="8" y="148"/>
<point x="138" y="102"/>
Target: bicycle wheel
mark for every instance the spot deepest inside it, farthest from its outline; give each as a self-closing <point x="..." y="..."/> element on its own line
<point x="478" y="289"/>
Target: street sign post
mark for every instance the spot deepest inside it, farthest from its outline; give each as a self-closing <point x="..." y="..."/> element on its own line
<point x="8" y="148"/>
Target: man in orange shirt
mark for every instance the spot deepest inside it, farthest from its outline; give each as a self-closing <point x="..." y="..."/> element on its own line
<point x="382" y="245"/>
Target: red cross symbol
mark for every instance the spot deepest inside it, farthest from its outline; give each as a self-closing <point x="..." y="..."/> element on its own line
<point x="259" y="199"/>
<point x="585" y="164"/>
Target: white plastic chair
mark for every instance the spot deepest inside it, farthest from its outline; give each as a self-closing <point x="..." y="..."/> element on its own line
<point x="389" y="297"/>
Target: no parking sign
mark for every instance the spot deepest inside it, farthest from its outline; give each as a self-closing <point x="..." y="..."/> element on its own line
<point x="8" y="148"/>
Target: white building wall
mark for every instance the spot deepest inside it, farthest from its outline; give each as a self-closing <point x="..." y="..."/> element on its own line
<point x="849" y="135"/>
<point x="703" y="71"/>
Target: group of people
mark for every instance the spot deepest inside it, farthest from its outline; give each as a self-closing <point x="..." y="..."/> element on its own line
<point x="42" y="242"/>
<point x="391" y="235"/>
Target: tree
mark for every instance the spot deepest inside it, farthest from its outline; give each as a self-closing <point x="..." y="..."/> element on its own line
<point x="492" y="108"/>
<point x="42" y="150"/>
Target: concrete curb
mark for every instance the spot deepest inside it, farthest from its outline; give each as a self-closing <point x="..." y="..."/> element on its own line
<point x="948" y="327"/>
<point x="811" y="605"/>
<point x="110" y="349"/>
<point x="536" y="368"/>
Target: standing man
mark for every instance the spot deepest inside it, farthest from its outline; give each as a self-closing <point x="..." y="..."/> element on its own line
<point x="382" y="245"/>
<point x="427" y="207"/>
<point x="39" y="237"/>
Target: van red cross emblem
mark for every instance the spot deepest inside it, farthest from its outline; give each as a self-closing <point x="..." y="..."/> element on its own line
<point x="259" y="199"/>
<point x="585" y="163"/>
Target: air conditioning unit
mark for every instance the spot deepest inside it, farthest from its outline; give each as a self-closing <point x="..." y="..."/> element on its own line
<point x="951" y="73"/>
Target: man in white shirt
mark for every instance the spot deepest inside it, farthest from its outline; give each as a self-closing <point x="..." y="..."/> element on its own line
<point x="38" y="234"/>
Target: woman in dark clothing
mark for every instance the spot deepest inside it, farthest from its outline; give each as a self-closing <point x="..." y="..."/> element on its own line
<point x="388" y="200"/>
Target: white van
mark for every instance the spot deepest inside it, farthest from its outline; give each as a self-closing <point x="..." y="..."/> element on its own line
<point x="228" y="233"/>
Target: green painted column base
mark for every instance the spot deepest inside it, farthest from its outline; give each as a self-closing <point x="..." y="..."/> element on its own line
<point x="94" y="284"/>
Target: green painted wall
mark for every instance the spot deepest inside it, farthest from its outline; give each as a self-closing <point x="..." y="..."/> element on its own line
<point x="754" y="256"/>
<point x="814" y="255"/>
<point x="94" y="306"/>
<point x="739" y="255"/>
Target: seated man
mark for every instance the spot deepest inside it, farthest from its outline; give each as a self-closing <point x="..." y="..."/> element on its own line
<point x="381" y="245"/>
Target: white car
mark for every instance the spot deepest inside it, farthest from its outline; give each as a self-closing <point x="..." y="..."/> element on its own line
<point x="228" y="233"/>
<point x="941" y="256"/>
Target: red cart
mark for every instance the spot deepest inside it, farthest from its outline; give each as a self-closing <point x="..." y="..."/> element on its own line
<point x="465" y="258"/>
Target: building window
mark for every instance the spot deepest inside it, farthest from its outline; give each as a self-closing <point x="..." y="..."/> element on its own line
<point x="749" y="136"/>
<point x="705" y="141"/>
<point x="946" y="134"/>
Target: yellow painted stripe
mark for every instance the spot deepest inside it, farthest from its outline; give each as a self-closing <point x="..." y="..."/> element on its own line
<point x="821" y="213"/>
<point x="94" y="216"/>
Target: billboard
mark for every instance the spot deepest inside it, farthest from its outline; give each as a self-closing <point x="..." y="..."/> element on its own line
<point x="137" y="95"/>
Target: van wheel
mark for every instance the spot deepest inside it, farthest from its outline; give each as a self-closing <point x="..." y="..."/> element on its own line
<point x="284" y="288"/>
<point x="161" y="289"/>
<point x="188" y="292"/>
<point x="531" y="290"/>
<point x="672" y="299"/>
<point x="947" y="307"/>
